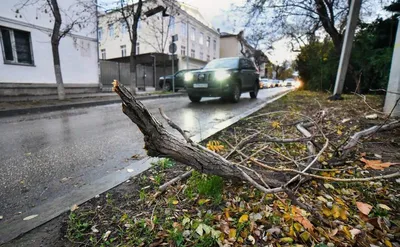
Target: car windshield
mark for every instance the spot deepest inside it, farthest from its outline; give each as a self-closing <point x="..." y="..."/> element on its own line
<point x="230" y="63"/>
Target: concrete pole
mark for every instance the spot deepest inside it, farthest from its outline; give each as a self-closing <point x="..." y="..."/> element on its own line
<point x="187" y="43"/>
<point x="393" y="89"/>
<point x="346" y="46"/>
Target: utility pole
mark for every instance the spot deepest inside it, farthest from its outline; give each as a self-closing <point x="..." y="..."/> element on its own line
<point x="392" y="104"/>
<point x="346" y="48"/>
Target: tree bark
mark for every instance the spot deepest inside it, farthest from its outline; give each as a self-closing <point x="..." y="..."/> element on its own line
<point x="161" y="143"/>
<point x="55" y="42"/>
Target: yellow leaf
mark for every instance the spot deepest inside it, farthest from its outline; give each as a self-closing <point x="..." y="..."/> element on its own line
<point x="388" y="243"/>
<point x="383" y="206"/>
<point x="232" y="233"/>
<point x="326" y="211"/>
<point x="202" y="201"/>
<point x="286" y="240"/>
<point x="346" y="232"/>
<point x="275" y="125"/>
<point x="339" y="132"/>
<point x="74" y="207"/>
<point x="364" y="208"/>
<point x="302" y="220"/>
<point x="298" y="227"/>
<point x="215" y="146"/>
<point x="335" y="211"/>
<point x="343" y="214"/>
<point x="244" y="218"/>
<point x="175" y="202"/>
<point x="305" y="236"/>
<point x="376" y="164"/>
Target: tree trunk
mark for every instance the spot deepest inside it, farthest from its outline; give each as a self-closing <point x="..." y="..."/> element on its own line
<point x="55" y="42"/>
<point x="132" y="68"/>
<point x="161" y="143"/>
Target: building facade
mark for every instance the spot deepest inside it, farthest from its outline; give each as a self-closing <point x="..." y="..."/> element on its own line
<point x="27" y="64"/>
<point x="198" y="41"/>
<point x="234" y="45"/>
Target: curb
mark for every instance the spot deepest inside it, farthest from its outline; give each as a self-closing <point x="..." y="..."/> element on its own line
<point x="42" y="109"/>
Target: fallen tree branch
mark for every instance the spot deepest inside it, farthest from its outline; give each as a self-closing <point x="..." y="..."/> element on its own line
<point x="356" y="137"/>
<point x="175" y="126"/>
<point x="160" y="142"/>
<point x="163" y="187"/>
<point x="392" y="175"/>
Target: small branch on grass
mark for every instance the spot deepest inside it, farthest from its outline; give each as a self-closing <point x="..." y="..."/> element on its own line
<point x="365" y="101"/>
<point x="356" y="137"/>
<point x="393" y="175"/>
<point x="187" y="174"/>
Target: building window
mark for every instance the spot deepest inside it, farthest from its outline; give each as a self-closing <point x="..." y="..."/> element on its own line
<point x="183" y="29"/>
<point x="208" y="41"/>
<point x="123" y="50"/>
<point x="123" y="27"/>
<point x="100" y="33"/>
<point x="201" y="38"/>
<point x="215" y="45"/>
<point x="16" y="46"/>
<point x="111" y="30"/>
<point x="103" y="53"/>
<point x="172" y="24"/>
<point x="192" y="53"/>
<point x="201" y="55"/>
<point x="193" y="34"/>
<point x="208" y="58"/>
<point x="213" y="58"/>
<point x="137" y="48"/>
<point x="183" y="50"/>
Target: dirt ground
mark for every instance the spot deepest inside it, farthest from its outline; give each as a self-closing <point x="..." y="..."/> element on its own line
<point x="209" y="211"/>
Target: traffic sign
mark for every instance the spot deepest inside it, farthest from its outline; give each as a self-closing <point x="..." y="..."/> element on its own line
<point x="172" y="48"/>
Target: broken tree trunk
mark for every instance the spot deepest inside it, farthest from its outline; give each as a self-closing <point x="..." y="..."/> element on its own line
<point x="159" y="142"/>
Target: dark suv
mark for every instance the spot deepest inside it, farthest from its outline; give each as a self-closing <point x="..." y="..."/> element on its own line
<point x="227" y="78"/>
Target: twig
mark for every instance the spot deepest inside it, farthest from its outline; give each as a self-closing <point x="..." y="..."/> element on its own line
<point x="163" y="187"/>
<point x="365" y="101"/>
<point x="175" y="126"/>
<point x="354" y="138"/>
<point x="393" y="175"/>
<point x="259" y="186"/>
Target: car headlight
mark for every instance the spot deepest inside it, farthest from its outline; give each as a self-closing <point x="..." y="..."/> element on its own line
<point x="221" y="75"/>
<point x="188" y="76"/>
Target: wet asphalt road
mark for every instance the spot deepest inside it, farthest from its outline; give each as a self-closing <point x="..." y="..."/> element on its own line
<point x="44" y="156"/>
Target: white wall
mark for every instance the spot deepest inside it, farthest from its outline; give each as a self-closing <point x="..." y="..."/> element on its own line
<point x="78" y="51"/>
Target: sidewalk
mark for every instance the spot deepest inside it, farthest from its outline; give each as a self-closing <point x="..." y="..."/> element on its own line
<point x="24" y="105"/>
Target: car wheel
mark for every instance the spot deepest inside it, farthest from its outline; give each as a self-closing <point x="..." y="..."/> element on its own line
<point x="167" y="87"/>
<point x="254" y="94"/>
<point x="235" y="93"/>
<point x="194" y="99"/>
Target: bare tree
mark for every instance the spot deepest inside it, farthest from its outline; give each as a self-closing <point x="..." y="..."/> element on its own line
<point x="77" y="16"/>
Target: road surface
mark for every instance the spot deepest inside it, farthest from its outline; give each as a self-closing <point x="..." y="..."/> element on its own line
<point x="45" y="156"/>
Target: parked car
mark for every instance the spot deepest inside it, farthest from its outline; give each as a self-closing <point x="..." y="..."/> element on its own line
<point x="227" y="78"/>
<point x="289" y="82"/>
<point x="179" y="80"/>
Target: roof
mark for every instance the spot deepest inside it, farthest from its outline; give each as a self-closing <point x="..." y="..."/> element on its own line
<point x="194" y="12"/>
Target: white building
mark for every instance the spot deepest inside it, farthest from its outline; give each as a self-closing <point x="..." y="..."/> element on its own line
<point x="27" y="64"/>
<point x="197" y="39"/>
<point x="234" y="45"/>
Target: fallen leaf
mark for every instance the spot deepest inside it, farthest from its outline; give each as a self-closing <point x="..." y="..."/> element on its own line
<point x="339" y="132"/>
<point x="376" y="164"/>
<point x="175" y="202"/>
<point x="106" y="235"/>
<point x="199" y="230"/>
<point x="346" y="232"/>
<point x="354" y="232"/>
<point x="244" y="218"/>
<point x="93" y="228"/>
<point x="232" y="233"/>
<point x="275" y="125"/>
<point x="372" y="116"/>
<point x="346" y="120"/>
<point x="305" y="236"/>
<point x="185" y="221"/>
<point x="30" y="217"/>
<point x="202" y="201"/>
<point x="252" y="239"/>
<point x="329" y="186"/>
<point x="383" y="206"/>
<point x="388" y="243"/>
<point x="215" y="146"/>
<point x="286" y="240"/>
<point x="302" y="220"/>
<point x="364" y="208"/>
<point x="74" y="207"/>
<point x="224" y="226"/>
